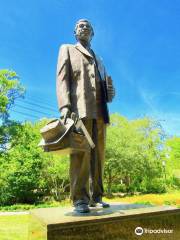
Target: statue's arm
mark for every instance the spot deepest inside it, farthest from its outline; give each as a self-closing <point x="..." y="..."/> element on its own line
<point x="63" y="78"/>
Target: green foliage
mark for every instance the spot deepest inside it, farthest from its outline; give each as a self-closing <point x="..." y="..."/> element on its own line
<point x="173" y="158"/>
<point x="172" y="161"/>
<point x="27" y="174"/>
<point x="44" y="204"/>
<point x="22" y="179"/>
<point x="175" y="181"/>
<point x="56" y="173"/>
<point x="133" y="153"/>
<point x="10" y="89"/>
<point x="156" y="185"/>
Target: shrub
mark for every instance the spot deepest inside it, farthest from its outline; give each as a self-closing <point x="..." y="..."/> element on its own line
<point x="156" y="185"/>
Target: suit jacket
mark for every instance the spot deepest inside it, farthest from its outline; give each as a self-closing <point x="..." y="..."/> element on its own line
<point x="76" y="81"/>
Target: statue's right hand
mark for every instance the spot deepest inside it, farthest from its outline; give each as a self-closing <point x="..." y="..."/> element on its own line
<point x="65" y="113"/>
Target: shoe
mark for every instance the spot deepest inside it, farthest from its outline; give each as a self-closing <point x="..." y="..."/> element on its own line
<point x="99" y="204"/>
<point x="81" y="208"/>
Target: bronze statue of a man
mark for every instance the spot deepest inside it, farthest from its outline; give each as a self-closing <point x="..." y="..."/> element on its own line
<point x="82" y="89"/>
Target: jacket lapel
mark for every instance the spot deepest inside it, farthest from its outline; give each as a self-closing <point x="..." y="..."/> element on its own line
<point x="83" y="50"/>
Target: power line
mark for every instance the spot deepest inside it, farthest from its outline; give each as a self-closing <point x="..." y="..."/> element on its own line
<point x="43" y="100"/>
<point x="29" y="115"/>
<point x="40" y="97"/>
<point x="40" y="106"/>
<point x="34" y="110"/>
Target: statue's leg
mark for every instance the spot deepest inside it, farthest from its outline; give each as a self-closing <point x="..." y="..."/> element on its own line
<point x="97" y="160"/>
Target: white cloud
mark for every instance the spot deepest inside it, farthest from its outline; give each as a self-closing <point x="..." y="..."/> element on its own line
<point x="170" y="120"/>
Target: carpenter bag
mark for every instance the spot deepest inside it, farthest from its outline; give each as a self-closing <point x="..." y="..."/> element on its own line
<point x="62" y="138"/>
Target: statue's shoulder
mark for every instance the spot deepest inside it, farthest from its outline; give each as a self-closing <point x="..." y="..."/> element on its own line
<point x="67" y="46"/>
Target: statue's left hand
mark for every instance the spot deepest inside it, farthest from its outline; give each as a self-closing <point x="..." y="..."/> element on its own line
<point x="110" y="89"/>
<point x="110" y="92"/>
<point x="65" y="113"/>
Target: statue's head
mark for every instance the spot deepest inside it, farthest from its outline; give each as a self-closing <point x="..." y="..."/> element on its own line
<point x="83" y="30"/>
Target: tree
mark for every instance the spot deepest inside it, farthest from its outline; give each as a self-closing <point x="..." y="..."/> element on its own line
<point x="56" y="173"/>
<point x="27" y="174"/>
<point x="173" y="157"/>
<point x="21" y="166"/>
<point x="10" y="90"/>
<point x="172" y="160"/>
<point x="133" y="154"/>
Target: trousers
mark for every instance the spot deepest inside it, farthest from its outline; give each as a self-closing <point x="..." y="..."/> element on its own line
<point x="86" y="168"/>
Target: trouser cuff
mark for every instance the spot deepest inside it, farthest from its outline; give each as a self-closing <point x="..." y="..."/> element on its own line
<point x="97" y="199"/>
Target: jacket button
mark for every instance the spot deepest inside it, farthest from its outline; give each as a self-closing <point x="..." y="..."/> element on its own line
<point x="92" y="75"/>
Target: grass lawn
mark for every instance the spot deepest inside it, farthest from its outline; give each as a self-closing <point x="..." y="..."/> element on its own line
<point x="157" y="199"/>
<point x="16" y="227"/>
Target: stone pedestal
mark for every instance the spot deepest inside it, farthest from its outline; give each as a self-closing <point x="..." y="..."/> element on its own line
<point x="115" y="223"/>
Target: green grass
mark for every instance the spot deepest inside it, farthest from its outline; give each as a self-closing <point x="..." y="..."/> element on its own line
<point x="14" y="227"/>
<point x="25" y="207"/>
<point x="171" y="198"/>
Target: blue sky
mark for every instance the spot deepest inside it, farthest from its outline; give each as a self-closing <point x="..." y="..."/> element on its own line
<point x="139" y="42"/>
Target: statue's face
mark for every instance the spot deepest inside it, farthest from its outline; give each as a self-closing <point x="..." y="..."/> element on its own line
<point x="84" y="31"/>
